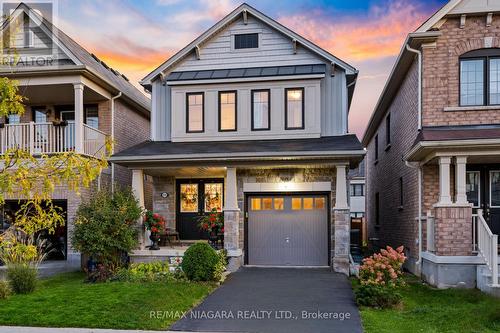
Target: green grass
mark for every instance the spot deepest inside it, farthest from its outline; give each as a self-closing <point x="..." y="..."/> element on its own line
<point x="429" y="310"/>
<point x="66" y="301"/>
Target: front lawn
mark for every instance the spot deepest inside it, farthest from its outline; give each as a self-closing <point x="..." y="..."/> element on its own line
<point x="65" y="301"/>
<point x="427" y="309"/>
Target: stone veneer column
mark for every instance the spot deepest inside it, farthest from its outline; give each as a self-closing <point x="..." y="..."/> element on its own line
<point x="231" y="221"/>
<point x="342" y="223"/>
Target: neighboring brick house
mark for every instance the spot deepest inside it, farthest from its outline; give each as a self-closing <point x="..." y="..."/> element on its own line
<point x="73" y="102"/>
<point x="433" y="155"/>
<point x="251" y="119"/>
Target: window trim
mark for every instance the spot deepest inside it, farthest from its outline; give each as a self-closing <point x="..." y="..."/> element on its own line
<point x="377" y="209"/>
<point x="376" y="148"/>
<point x="245" y="48"/>
<point x="268" y="109"/>
<point x="202" y="112"/>
<point x="303" y="109"/>
<point x="481" y="54"/>
<point x="388" y="134"/>
<point x="353" y="188"/>
<point x="219" y="106"/>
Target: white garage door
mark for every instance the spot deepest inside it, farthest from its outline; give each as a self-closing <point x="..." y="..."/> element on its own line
<point x="289" y="230"/>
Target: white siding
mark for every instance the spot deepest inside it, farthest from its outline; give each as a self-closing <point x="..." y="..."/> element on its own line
<point x="244" y="132"/>
<point x="274" y="50"/>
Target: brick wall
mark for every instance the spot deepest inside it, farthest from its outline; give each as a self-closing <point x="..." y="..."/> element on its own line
<point x="398" y="225"/>
<point x="441" y="71"/>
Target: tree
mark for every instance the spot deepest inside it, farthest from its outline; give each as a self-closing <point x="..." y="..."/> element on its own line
<point x="34" y="179"/>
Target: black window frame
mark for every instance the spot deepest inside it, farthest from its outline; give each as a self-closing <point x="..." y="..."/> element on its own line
<point x="242" y="41"/>
<point x="202" y="112"/>
<point x="303" y="109"/>
<point x="353" y="190"/>
<point x="235" y="92"/>
<point x="268" y="109"/>
<point x="401" y="192"/>
<point x="482" y="54"/>
<point x="388" y="131"/>
<point x="376" y="148"/>
<point x="377" y="209"/>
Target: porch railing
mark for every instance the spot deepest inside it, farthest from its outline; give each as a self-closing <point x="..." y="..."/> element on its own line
<point x="487" y="246"/>
<point x="430" y="225"/>
<point x="48" y="138"/>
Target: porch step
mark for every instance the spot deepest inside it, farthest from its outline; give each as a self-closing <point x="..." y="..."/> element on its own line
<point x="484" y="281"/>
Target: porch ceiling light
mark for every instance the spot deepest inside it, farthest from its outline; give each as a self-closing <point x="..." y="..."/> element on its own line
<point x="164" y="195"/>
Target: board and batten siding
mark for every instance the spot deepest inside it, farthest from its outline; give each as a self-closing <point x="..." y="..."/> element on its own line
<point x="244" y="131"/>
<point x="274" y="49"/>
<point x="326" y="99"/>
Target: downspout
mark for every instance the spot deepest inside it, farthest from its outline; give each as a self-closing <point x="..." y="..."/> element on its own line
<point x="419" y="185"/>
<point x="113" y="139"/>
<point x="419" y="53"/>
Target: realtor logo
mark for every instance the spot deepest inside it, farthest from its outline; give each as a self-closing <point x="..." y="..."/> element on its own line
<point x="28" y="36"/>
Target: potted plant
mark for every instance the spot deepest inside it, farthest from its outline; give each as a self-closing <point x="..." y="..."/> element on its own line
<point x="213" y="224"/>
<point x="155" y="223"/>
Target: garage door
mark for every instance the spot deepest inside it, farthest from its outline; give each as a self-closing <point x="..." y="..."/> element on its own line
<point x="289" y="230"/>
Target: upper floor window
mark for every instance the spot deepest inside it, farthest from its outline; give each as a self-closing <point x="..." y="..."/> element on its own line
<point x="357" y="190"/>
<point x="261" y="110"/>
<point x="294" y="108"/>
<point x="92" y="116"/>
<point x="376" y="148"/>
<point x="194" y="112"/>
<point x="227" y="110"/>
<point x="388" y="130"/>
<point x="480" y="77"/>
<point x="246" y="41"/>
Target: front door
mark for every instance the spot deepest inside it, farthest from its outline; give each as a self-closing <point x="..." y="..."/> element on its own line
<point x="483" y="191"/>
<point x="195" y="198"/>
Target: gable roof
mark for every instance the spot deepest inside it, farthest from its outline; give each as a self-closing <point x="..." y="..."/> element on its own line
<point x="425" y="33"/>
<point x="231" y="17"/>
<point x="89" y="62"/>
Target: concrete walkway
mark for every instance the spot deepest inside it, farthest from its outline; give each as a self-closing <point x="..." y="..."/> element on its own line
<point x="277" y="300"/>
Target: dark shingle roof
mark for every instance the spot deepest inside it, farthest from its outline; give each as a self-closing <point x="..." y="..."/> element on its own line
<point x="251" y="147"/>
<point x="247" y="72"/>
<point x="447" y="133"/>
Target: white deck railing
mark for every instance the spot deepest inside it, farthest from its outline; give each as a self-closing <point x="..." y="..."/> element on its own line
<point x="487" y="246"/>
<point x="47" y="138"/>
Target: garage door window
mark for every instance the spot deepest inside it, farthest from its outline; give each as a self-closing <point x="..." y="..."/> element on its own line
<point x="279" y="203"/>
<point x="256" y="204"/>
<point x="296" y="203"/>
<point x="267" y="203"/>
<point x="308" y="203"/>
<point x="319" y="203"/>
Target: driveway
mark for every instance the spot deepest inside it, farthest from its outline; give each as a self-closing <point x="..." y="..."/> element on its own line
<point x="277" y="300"/>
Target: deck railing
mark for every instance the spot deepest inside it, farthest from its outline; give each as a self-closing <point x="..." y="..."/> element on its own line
<point x="50" y="138"/>
<point x="487" y="246"/>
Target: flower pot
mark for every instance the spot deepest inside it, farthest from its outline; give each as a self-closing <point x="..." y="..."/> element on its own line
<point x="155" y="238"/>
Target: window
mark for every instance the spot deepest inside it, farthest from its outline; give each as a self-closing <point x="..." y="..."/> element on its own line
<point x="377" y="209"/>
<point x="388" y="130"/>
<point x="319" y="203"/>
<point x="261" y="110"/>
<point x="267" y="203"/>
<point x="246" y="41"/>
<point x="189" y="198"/>
<point x="401" y="193"/>
<point x="14" y="119"/>
<point x="227" y="111"/>
<point x="279" y="203"/>
<point x="473" y="188"/>
<point x="357" y="215"/>
<point x="39" y="114"/>
<point x="294" y="108"/>
<point x="376" y="148"/>
<point x="92" y="116"/>
<point x="308" y="203"/>
<point x="357" y="190"/>
<point x="480" y="78"/>
<point x="256" y="204"/>
<point x="195" y="113"/>
<point x="213" y="197"/>
<point x="296" y="203"/>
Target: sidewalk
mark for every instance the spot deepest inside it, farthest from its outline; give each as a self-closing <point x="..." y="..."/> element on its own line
<point x="19" y="329"/>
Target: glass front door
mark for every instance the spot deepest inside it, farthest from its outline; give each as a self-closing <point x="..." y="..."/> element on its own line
<point x="195" y="198"/>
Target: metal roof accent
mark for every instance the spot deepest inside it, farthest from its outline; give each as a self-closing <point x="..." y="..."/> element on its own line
<point x="247" y="72"/>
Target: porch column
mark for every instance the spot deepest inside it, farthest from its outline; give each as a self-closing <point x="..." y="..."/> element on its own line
<point x="341" y="188"/>
<point x="232" y="221"/>
<point x="341" y="223"/>
<point x="78" y="88"/>
<point x="138" y="190"/>
<point x="460" y="180"/>
<point x="444" y="181"/>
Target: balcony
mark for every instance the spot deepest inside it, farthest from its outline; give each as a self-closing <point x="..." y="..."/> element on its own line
<point x="52" y="138"/>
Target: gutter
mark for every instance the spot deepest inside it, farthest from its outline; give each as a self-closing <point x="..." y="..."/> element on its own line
<point x="419" y="54"/>
<point x="113" y="139"/>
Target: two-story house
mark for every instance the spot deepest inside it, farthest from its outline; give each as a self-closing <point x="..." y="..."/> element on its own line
<point x="433" y="160"/>
<point x="73" y="102"/>
<point x="251" y="119"/>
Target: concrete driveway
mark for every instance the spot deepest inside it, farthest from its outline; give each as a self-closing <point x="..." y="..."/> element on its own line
<point x="277" y="300"/>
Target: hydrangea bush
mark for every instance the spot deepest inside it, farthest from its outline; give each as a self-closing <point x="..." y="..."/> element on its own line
<point x="384" y="268"/>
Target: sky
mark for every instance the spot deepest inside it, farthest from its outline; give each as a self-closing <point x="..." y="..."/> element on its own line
<point x="136" y="36"/>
